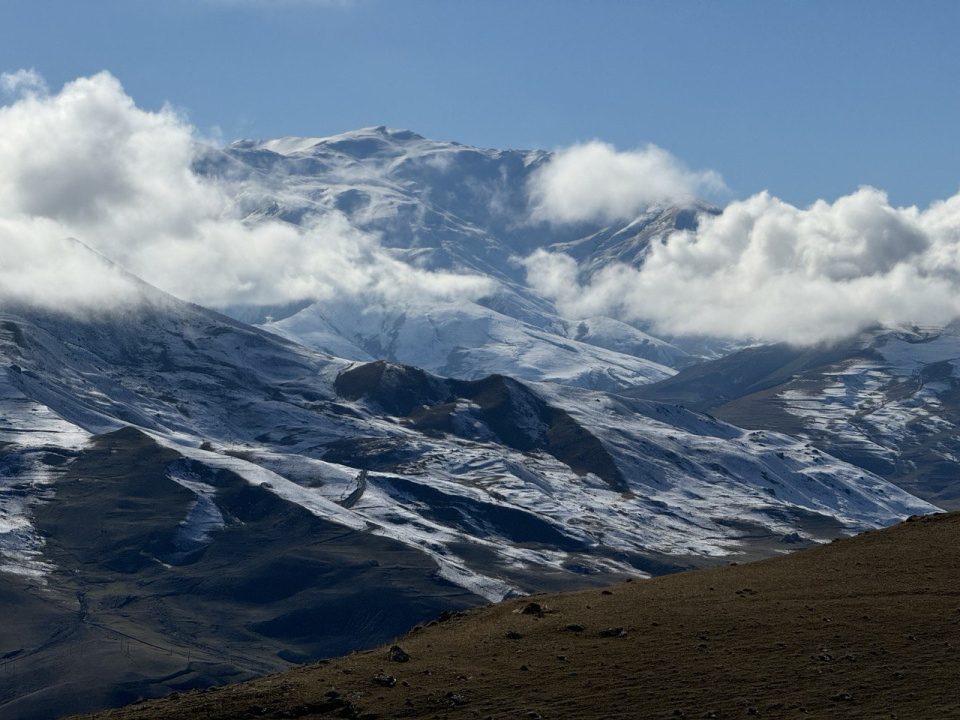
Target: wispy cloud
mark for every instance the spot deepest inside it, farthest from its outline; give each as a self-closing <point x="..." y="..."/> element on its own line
<point x="22" y="82"/>
<point x="87" y="163"/>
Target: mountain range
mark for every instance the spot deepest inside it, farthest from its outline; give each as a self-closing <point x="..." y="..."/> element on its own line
<point x="191" y="496"/>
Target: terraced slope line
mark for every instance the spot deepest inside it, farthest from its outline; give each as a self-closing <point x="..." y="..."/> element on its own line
<point x="865" y="627"/>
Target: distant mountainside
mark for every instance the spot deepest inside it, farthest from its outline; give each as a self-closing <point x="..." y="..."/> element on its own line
<point x="445" y="206"/>
<point x="861" y="628"/>
<point x="187" y="500"/>
<point x="887" y="401"/>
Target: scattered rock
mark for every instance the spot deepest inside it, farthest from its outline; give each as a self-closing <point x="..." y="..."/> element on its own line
<point x="573" y="627"/>
<point x="842" y="697"/>
<point x="532" y="608"/>
<point x="397" y="654"/>
<point x="513" y="635"/>
<point x="456" y="699"/>
<point x="606" y="592"/>
<point x="613" y="632"/>
<point x="385" y="680"/>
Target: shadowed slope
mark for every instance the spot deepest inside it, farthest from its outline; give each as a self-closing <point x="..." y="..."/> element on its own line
<point x="863" y="627"/>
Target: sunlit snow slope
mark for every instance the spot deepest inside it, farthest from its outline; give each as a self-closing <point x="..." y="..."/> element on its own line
<point x="445" y="206"/>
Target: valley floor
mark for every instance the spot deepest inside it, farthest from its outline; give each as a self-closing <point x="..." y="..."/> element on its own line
<point x="865" y="627"/>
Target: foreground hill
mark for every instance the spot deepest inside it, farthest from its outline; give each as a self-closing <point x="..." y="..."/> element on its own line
<point x="864" y="627"/>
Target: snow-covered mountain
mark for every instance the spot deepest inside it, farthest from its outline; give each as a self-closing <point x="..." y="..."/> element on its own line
<point x="233" y="497"/>
<point x="445" y="206"/>
<point x="229" y="501"/>
<point x="190" y="378"/>
<point x="886" y="400"/>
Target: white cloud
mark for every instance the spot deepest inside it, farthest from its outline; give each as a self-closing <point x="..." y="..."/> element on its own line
<point x="593" y="181"/>
<point x="22" y="82"/>
<point x="87" y="163"/>
<point x="767" y="270"/>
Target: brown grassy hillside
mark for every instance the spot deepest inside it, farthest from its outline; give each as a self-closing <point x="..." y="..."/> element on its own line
<point x="867" y="627"/>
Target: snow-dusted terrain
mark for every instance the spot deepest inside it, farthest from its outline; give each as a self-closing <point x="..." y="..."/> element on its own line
<point x="886" y="401"/>
<point x="233" y="497"/>
<point x="538" y="478"/>
<point x="445" y="206"/>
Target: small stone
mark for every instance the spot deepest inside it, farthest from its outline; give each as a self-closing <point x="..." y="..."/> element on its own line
<point x="533" y="608"/>
<point x="385" y="680"/>
<point x="397" y="654"/>
<point x="513" y="635"/>
<point x="613" y="632"/>
<point x="842" y="697"/>
<point x="573" y="627"/>
<point x="456" y="698"/>
<point x="606" y="592"/>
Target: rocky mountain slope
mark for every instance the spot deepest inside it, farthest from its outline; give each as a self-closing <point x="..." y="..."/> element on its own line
<point x="445" y="206"/>
<point x="865" y="627"/>
<point x="187" y="500"/>
<point x="886" y="401"/>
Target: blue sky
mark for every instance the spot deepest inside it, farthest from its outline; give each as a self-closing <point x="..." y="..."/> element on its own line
<point x="805" y="99"/>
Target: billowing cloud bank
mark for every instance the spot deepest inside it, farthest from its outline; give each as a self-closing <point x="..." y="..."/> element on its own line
<point x="594" y="182"/>
<point x="87" y="163"/>
<point x="767" y="270"/>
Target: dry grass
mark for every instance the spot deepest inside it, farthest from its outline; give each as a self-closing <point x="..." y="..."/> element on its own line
<point x="867" y="627"/>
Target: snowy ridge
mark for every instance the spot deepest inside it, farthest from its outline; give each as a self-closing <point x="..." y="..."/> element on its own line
<point x="445" y="206"/>
<point x="651" y="483"/>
